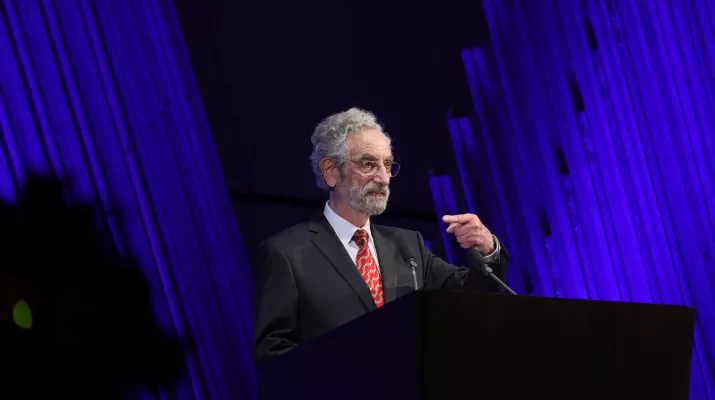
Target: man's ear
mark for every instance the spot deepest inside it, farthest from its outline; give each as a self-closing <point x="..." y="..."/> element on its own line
<point x="331" y="172"/>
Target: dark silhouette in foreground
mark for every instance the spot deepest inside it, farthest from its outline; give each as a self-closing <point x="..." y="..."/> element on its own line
<point x="93" y="334"/>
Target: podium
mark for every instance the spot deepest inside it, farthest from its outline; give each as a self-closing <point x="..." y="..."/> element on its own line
<point x="460" y="345"/>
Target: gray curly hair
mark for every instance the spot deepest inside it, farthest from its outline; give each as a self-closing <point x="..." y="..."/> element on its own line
<point x="330" y="135"/>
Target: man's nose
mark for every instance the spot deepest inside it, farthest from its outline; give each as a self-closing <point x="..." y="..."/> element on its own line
<point x="382" y="176"/>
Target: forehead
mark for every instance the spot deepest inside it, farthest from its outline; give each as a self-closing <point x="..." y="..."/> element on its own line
<point x="369" y="141"/>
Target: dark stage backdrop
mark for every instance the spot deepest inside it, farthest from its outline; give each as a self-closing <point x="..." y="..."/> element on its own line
<point x="586" y="143"/>
<point x="268" y="72"/>
<point x="588" y="140"/>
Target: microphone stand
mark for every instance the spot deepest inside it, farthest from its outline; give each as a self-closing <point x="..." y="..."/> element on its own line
<point x="476" y="258"/>
<point x="488" y="271"/>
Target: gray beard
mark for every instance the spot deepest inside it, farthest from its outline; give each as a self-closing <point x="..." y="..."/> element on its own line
<point x="361" y="200"/>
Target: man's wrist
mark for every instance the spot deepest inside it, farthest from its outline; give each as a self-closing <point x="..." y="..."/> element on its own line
<point x="493" y="257"/>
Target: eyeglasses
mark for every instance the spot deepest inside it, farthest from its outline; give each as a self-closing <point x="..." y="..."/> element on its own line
<point x="370" y="167"/>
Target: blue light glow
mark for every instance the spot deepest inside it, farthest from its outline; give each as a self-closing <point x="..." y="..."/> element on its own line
<point x="597" y="120"/>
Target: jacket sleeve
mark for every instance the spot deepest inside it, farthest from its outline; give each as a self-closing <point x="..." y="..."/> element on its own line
<point x="440" y="275"/>
<point x="276" y="304"/>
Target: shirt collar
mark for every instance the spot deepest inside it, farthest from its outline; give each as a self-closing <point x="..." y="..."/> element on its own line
<point x="344" y="229"/>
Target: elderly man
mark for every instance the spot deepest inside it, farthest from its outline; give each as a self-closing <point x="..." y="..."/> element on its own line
<point x="316" y="276"/>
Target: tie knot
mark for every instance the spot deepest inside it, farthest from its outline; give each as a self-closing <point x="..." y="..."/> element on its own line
<point x="360" y="237"/>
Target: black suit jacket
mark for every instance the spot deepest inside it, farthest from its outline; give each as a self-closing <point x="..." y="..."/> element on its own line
<point x="307" y="284"/>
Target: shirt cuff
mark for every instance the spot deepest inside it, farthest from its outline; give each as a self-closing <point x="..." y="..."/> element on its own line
<point x="494" y="256"/>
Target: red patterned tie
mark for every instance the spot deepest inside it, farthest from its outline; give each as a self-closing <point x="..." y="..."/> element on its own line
<point x="367" y="267"/>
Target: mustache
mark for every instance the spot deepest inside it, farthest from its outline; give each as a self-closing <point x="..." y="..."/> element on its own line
<point x="373" y="187"/>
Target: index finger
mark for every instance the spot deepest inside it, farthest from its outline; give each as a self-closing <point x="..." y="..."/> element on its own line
<point x="452" y="219"/>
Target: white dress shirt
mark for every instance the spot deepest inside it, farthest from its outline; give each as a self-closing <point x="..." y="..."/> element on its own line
<point x="345" y="231"/>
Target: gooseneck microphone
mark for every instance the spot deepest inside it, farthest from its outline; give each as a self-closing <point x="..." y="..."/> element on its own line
<point x="405" y="251"/>
<point x="476" y="258"/>
<point x="413" y="265"/>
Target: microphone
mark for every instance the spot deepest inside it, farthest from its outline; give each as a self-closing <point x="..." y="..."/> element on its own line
<point x="413" y="265"/>
<point x="476" y="258"/>
<point x="405" y="251"/>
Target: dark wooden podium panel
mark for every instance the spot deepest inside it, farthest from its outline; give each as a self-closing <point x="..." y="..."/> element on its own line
<point x="458" y="345"/>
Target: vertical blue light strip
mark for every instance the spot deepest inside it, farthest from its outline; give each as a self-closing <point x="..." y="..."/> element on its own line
<point x="440" y="204"/>
<point x="461" y="156"/>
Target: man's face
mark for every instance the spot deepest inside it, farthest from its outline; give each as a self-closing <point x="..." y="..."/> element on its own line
<point x="365" y="181"/>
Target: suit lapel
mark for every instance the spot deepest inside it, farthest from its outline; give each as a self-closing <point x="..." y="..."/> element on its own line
<point x="325" y="239"/>
<point x="388" y="257"/>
